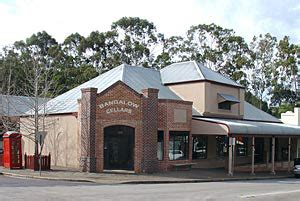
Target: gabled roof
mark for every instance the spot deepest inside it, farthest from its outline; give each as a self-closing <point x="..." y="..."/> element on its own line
<point x="193" y="71"/>
<point x="17" y="105"/>
<point x="137" y="78"/>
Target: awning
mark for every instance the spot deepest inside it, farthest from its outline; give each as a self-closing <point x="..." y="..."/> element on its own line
<point x="242" y="127"/>
<point x="226" y="97"/>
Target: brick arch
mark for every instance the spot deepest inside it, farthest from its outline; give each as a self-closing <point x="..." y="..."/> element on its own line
<point x="119" y="148"/>
<point x="132" y="125"/>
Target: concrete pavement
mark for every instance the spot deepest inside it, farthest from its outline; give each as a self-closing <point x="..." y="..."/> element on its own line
<point x="195" y="175"/>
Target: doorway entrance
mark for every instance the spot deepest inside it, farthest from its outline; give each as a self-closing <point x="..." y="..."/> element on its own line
<point x="119" y="148"/>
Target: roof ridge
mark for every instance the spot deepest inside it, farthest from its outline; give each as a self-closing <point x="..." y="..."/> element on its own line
<point x="198" y="69"/>
<point x="122" y="74"/>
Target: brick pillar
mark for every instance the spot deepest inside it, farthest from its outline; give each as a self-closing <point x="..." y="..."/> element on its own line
<point x="88" y="129"/>
<point x="150" y="118"/>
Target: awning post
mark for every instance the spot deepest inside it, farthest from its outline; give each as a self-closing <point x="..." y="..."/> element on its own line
<point x="230" y="173"/>
<point x="289" y="155"/>
<point x="233" y="154"/>
<point x="273" y="156"/>
<point x="253" y="155"/>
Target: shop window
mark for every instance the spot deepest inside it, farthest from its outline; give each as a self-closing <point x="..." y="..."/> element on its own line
<point x="178" y="145"/>
<point x="241" y="144"/>
<point x="199" y="147"/>
<point x="226" y="105"/>
<point x="160" y="145"/>
<point x="222" y="146"/>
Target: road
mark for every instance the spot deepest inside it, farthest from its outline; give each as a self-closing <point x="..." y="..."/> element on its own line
<point x="30" y="189"/>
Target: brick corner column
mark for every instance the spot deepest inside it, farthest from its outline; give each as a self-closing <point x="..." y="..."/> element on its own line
<point x="88" y="129"/>
<point x="150" y="125"/>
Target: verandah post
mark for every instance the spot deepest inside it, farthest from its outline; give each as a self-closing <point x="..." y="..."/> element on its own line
<point x="273" y="156"/>
<point x="289" y="155"/>
<point x="230" y="158"/>
<point x="253" y="155"/>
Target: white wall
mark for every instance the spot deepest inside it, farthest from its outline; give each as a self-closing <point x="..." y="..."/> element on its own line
<point x="62" y="140"/>
<point x="291" y="118"/>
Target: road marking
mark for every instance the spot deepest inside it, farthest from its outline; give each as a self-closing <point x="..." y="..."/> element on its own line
<point x="271" y="193"/>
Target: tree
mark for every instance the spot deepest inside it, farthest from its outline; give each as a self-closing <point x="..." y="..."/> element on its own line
<point x="276" y="111"/>
<point x="72" y="64"/>
<point x="137" y="40"/>
<point x="217" y="48"/>
<point x="174" y="50"/>
<point x="101" y="50"/>
<point x="286" y="64"/>
<point x="73" y="50"/>
<point x="263" y="72"/>
<point x="36" y="58"/>
<point x="249" y="97"/>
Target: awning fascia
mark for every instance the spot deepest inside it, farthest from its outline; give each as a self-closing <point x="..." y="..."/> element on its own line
<point x="226" y="97"/>
<point x="253" y="128"/>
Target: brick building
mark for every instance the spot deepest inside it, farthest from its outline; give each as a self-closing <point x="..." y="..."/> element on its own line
<point x="145" y="120"/>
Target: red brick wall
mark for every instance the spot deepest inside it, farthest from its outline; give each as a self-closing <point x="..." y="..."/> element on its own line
<point x="88" y="129"/>
<point x="119" y="91"/>
<point x="149" y="115"/>
<point x="167" y="124"/>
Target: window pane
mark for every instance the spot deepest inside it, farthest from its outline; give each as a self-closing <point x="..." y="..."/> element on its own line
<point x="226" y="105"/>
<point x="241" y="146"/>
<point x="199" y="147"/>
<point x="178" y="145"/>
<point x="222" y="146"/>
<point x="160" y="145"/>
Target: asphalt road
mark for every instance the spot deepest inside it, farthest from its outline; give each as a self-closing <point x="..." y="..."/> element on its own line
<point x="29" y="189"/>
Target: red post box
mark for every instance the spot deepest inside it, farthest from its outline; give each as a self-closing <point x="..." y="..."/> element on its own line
<point x="12" y="150"/>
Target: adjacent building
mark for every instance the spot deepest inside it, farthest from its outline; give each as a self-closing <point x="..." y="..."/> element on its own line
<point x="145" y="120"/>
<point x="293" y="118"/>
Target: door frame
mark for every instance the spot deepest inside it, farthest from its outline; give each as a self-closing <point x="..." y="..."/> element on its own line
<point x="129" y="137"/>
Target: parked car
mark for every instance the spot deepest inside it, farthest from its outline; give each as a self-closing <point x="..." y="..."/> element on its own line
<point x="297" y="167"/>
<point x="175" y="154"/>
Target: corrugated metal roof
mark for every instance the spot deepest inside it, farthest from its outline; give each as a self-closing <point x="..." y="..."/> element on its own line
<point x="255" y="127"/>
<point x="137" y="78"/>
<point x="253" y="113"/>
<point x="192" y="71"/>
<point x="17" y="105"/>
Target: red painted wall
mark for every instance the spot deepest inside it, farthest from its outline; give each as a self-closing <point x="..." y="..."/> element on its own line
<point x="1" y="159"/>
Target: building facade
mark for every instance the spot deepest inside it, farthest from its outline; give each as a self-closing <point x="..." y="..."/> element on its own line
<point x="144" y="120"/>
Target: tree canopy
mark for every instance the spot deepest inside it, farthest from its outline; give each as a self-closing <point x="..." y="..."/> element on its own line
<point x="266" y="66"/>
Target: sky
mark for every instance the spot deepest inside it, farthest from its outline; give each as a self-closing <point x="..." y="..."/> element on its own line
<point x="60" y="18"/>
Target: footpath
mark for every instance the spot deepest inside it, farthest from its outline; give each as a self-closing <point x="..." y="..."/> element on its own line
<point x="191" y="176"/>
